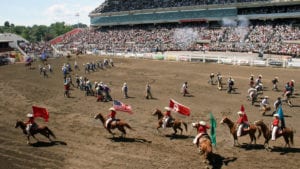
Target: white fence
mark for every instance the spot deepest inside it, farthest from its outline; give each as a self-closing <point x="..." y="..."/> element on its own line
<point x="237" y="59"/>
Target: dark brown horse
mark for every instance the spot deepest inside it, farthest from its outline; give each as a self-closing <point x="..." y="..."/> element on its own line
<point x="233" y="130"/>
<point x="43" y="130"/>
<point x="176" y="124"/>
<point x="117" y="124"/>
<point x="287" y="133"/>
<point x="204" y="144"/>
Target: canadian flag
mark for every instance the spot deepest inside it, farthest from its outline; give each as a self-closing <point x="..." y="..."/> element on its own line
<point x="40" y="112"/>
<point x="177" y="107"/>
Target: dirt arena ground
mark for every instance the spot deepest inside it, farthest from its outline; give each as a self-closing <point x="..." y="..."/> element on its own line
<point x="82" y="142"/>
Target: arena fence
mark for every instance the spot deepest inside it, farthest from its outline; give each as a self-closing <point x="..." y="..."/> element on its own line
<point x="220" y="58"/>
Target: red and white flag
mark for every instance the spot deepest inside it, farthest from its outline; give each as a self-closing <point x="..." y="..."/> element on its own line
<point x="122" y="107"/>
<point x="40" y="112"/>
<point x="180" y="108"/>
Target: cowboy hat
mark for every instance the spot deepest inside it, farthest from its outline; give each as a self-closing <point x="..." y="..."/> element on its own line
<point x="276" y="115"/>
<point x="29" y="115"/>
<point x="112" y="109"/>
<point x="239" y="112"/>
<point x="202" y="123"/>
<point x="168" y="108"/>
<point x="266" y="97"/>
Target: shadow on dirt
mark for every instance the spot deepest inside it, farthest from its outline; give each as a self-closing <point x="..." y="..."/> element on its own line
<point x="246" y="146"/>
<point x="284" y="151"/>
<point x="172" y="136"/>
<point x="48" y="144"/>
<point x="217" y="161"/>
<point x="129" y="140"/>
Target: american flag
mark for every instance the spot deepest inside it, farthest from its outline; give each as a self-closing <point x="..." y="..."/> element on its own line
<point x="121" y="106"/>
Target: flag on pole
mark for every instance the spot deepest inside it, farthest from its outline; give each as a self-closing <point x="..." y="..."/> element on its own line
<point x="213" y="125"/>
<point x="281" y="116"/>
<point x="122" y="107"/>
<point x="180" y="108"/>
<point x="244" y="113"/>
<point x="40" y="112"/>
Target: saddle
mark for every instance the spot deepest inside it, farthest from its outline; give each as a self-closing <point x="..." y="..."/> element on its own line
<point x="203" y="137"/>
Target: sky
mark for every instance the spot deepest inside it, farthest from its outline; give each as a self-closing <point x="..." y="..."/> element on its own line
<point x="46" y="12"/>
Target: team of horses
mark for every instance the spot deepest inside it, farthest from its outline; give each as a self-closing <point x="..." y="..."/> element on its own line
<point x="204" y="144"/>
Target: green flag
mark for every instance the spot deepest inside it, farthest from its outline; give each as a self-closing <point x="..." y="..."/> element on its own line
<point x="213" y="125"/>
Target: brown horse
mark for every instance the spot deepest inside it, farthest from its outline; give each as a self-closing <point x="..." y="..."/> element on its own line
<point x="233" y="130"/>
<point x="204" y="144"/>
<point x="118" y="124"/>
<point x="43" y="130"/>
<point x="287" y="133"/>
<point x="176" y="124"/>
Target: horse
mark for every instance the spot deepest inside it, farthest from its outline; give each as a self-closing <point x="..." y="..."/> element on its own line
<point x="233" y="130"/>
<point x="117" y="124"/>
<point x="203" y="143"/>
<point x="28" y="64"/>
<point x="176" y="124"/>
<point x="287" y="133"/>
<point x="43" y="130"/>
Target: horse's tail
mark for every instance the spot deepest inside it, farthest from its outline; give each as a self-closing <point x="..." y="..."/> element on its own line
<point x="128" y="126"/>
<point x="50" y="132"/>
<point x="259" y="132"/>
<point x="292" y="136"/>
<point x="185" y="126"/>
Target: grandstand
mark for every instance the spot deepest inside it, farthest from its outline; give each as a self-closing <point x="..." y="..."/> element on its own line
<point x="256" y="26"/>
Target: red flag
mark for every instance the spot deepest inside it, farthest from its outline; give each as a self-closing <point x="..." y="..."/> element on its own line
<point x="244" y="113"/>
<point x="177" y="107"/>
<point x="122" y="107"/>
<point x="242" y="109"/>
<point x="40" y="112"/>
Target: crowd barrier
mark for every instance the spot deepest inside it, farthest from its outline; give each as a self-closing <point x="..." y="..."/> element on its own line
<point x="221" y="59"/>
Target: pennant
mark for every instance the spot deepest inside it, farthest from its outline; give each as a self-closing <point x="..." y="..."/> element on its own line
<point x="177" y="107"/>
<point x="40" y="112"/>
<point x="244" y="113"/>
<point x="213" y="125"/>
<point x="122" y="107"/>
<point x="281" y="116"/>
<point x="242" y="108"/>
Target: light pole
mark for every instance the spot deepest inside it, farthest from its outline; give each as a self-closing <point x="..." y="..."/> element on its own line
<point x="77" y="15"/>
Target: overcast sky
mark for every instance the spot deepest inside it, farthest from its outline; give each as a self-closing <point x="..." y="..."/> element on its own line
<point x="46" y="12"/>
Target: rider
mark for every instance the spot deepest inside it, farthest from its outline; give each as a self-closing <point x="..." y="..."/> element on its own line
<point x="167" y="117"/>
<point x="274" y="82"/>
<point x="258" y="80"/>
<point x="202" y="130"/>
<point x="241" y="123"/>
<point x="112" y="116"/>
<point x="184" y="88"/>
<point x="277" y="103"/>
<point x="251" y="80"/>
<point x="275" y="126"/>
<point x="125" y="90"/>
<point x="148" y="91"/>
<point x="211" y="78"/>
<point x="219" y="78"/>
<point x="265" y="104"/>
<point x="30" y="124"/>
<point x="230" y="85"/>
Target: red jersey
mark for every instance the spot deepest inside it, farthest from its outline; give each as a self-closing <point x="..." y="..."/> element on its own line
<point x="168" y="113"/>
<point x="30" y="121"/>
<point x="112" y="114"/>
<point x="276" y="122"/>
<point x="202" y="129"/>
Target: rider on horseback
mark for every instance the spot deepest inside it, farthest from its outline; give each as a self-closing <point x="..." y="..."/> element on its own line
<point x="202" y="130"/>
<point x="30" y="124"/>
<point x="265" y="105"/>
<point x="167" y="117"/>
<point x="242" y="123"/>
<point x="112" y="117"/>
<point x="275" y="126"/>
